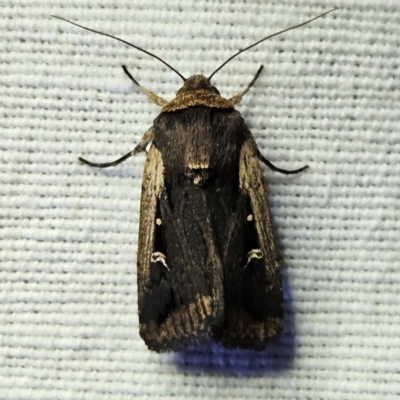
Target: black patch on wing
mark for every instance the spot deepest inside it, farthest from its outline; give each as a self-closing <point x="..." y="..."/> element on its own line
<point x="159" y="300"/>
<point x="253" y="301"/>
<point x="182" y="302"/>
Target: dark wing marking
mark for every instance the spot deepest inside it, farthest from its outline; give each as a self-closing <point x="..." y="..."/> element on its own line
<point x="179" y="269"/>
<point x="252" y="281"/>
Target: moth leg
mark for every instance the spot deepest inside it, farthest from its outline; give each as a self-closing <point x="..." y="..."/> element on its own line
<point x="140" y="147"/>
<point x="238" y="98"/>
<point x="152" y="96"/>
<point x="282" y="171"/>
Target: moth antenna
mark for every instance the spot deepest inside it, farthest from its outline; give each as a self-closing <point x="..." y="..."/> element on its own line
<point x="124" y="41"/>
<point x="269" y="37"/>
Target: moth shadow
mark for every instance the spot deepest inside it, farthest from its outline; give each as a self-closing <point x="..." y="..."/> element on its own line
<point x="277" y="357"/>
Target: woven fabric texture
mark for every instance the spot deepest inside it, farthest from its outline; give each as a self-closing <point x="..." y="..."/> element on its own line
<point x="329" y="97"/>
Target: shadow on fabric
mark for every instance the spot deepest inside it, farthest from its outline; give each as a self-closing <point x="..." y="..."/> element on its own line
<point x="277" y="357"/>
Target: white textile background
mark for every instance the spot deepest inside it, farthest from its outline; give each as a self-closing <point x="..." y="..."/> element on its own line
<point x="329" y="96"/>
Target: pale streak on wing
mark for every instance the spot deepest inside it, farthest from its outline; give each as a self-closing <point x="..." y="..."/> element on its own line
<point x="252" y="182"/>
<point x="152" y="186"/>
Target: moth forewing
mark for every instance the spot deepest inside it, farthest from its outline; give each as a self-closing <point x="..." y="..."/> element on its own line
<point x="252" y="292"/>
<point x="252" y="181"/>
<point x="152" y="185"/>
<point x="178" y="305"/>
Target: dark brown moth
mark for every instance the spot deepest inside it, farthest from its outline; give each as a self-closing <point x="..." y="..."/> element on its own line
<point x="207" y="265"/>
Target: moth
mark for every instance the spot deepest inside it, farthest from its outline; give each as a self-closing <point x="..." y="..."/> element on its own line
<point x="206" y="265"/>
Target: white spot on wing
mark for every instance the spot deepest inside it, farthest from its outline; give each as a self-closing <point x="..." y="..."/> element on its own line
<point x="159" y="257"/>
<point x="253" y="253"/>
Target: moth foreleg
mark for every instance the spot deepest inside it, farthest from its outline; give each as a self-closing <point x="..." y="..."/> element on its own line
<point x="238" y="98"/>
<point x="151" y="95"/>
<point x="141" y="146"/>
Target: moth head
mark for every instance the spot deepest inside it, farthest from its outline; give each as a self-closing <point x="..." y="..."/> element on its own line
<point x="197" y="82"/>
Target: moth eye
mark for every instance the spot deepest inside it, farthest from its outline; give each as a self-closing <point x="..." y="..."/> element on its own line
<point x="249" y="218"/>
<point x="158" y="221"/>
